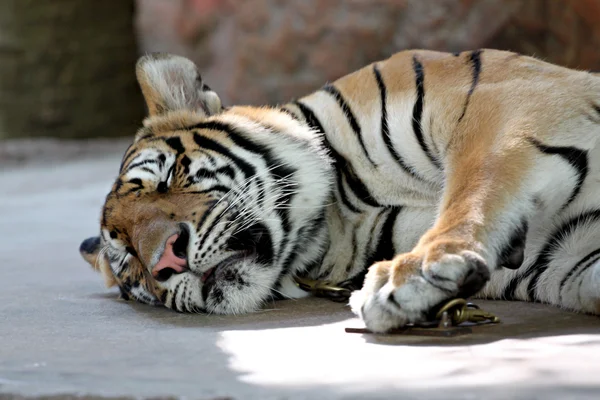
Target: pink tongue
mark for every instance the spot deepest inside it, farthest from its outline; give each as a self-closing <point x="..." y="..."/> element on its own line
<point x="169" y="259"/>
<point x="207" y="274"/>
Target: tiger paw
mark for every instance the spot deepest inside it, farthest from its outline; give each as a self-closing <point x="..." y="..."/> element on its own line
<point x="404" y="291"/>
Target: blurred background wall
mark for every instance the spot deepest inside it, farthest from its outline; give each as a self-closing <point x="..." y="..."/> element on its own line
<point x="66" y="66"/>
<point x="268" y="51"/>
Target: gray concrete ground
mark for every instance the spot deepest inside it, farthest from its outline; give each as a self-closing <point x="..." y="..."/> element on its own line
<point x="63" y="333"/>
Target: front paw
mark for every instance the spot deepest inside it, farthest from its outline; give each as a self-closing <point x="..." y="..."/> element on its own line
<point x="405" y="290"/>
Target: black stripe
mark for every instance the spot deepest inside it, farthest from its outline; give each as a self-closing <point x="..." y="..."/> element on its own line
<point x="431" y="134"/>
<point x="332" y="90"/>
<point x="202" y="220"/>
<point x="124" y="294"/>
<point x="305" y="234"/>
<point x="145" y="298"/>
<point x="418" y="111"/>
<point x="209" y="229"/>
<point x="203" y="142"/>
<point x="121" y="267"/>
<point x="162" y="159"/>
<point x="204" y="172"/>
<point x="580" y="267"/>
<point x="131" y="251"/>
<point x="147" y="170"/>
<point x="136" y="181"/>
<point x="576" y="157"/>
<point x="146" y="136"/>
<point x="385" y="132"/>
<point x="232" y="134"/>
<point x="138" y="185"/>
<point x="392" y="300"/>
<point x="217" y="294"/>
<point x="186" y="162"/>
<point x="475" y="60"/>
<point x="206" y="292"/>
<point x="541" y="263"/>
<point x="184" y="299"/>
<point x="175" y="143"/>
<point x="512" y="253"/>
<point x="311" y="119"/>
<point x="357" y="186"/>
<point x="374" y="237"/>
<point x="226" y="170"/>
<point x="277" y="168"/>
<point x="172" y="304"/>
<point x="128" y="153"/>
<point x="210" y="174"/>
<point x="385" y="249"/>
<point x="216" y="188"/>
<point x="342" y="166"/>
<point x="162" y="186"/>
<point x="342" y="193"/>
<point x="286" y="264"/>
<point x="289" y="112"/>
<point x="314" y="123"/>
<point x="596" y="108"/>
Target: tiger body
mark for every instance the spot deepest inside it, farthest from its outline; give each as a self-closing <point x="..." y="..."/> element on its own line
<point x="446" y="174"/>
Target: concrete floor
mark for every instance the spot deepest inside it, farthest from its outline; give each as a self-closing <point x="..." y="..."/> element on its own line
<point x="63" y="333"/>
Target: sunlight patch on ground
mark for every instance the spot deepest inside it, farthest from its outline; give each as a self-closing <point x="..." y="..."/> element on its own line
<point x="339" y="358"/>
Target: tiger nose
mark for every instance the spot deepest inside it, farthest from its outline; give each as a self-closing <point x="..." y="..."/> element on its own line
<point x="173" y="260"/>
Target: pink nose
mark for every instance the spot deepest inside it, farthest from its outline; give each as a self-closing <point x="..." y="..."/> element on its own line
<point x="169" y="263"/>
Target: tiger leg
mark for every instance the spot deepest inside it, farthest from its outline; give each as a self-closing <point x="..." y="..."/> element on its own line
<point x="486" y="199"/>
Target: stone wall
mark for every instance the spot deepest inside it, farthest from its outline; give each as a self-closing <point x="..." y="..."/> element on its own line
<point x="269" y="51"/>
<point x="66" y="69"/>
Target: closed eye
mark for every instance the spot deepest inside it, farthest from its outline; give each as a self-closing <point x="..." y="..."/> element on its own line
<point x="145" y="164"/>
<point x="153" y="166"/>
<point x="163" y="186"/>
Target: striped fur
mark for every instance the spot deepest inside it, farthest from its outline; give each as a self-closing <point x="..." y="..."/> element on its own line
<point x="436" y="169"/>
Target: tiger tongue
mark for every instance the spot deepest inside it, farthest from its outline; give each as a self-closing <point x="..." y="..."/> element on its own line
<point x="207" y="274"/>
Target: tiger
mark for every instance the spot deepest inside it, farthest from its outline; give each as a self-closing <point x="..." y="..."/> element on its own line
<point x="421" y="178"/>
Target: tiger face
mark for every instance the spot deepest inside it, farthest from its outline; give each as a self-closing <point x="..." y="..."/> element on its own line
<point x="213" y="210"/>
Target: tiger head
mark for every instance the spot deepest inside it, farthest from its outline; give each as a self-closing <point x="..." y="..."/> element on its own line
<point x="214" y="210"/>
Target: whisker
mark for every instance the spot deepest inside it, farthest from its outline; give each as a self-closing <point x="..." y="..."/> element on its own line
<point x="274" y="290"/>
<point x="101" y="253"/>
<point x="288" y="207"/>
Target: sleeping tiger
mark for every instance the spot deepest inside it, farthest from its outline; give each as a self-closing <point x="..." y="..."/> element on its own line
<point x="442" y="175"/>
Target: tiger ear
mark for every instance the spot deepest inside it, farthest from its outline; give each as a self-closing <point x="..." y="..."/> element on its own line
<point x="90" y="251"/>
<point x="173" y="83"/>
